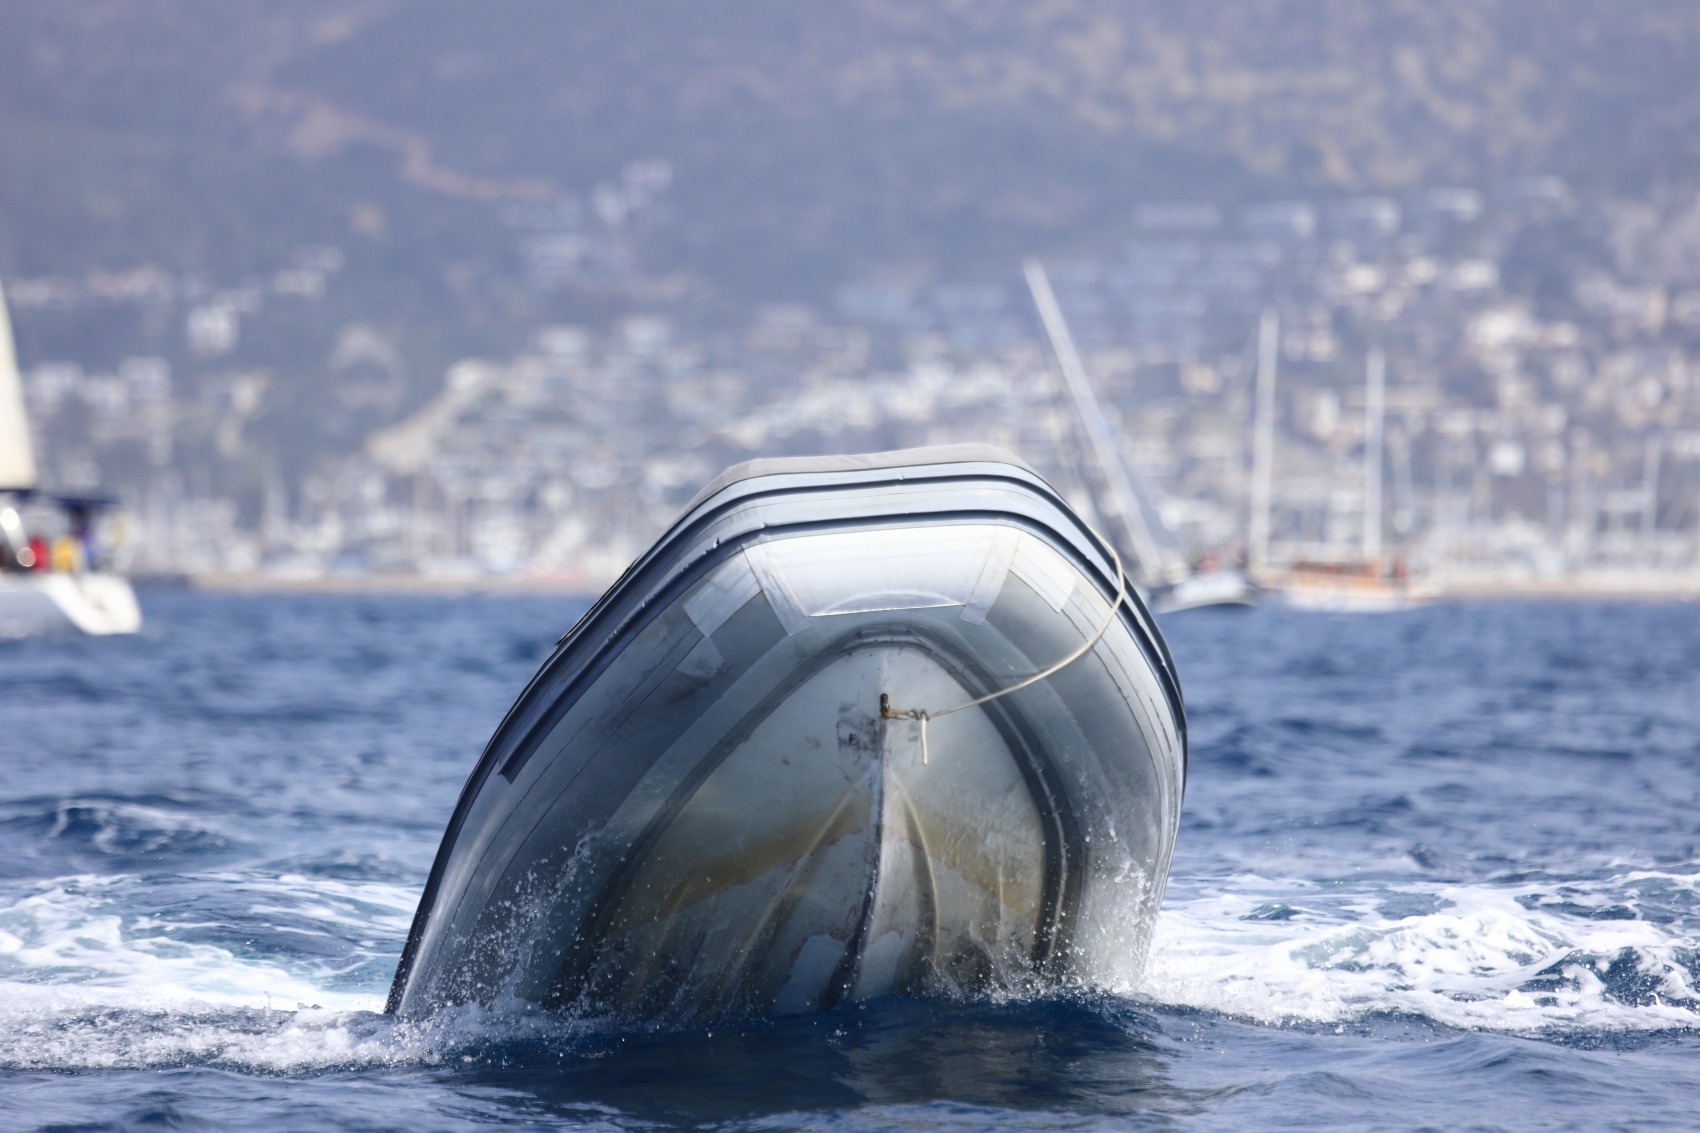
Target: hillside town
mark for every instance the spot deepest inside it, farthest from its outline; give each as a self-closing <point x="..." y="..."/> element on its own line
<point x="1542" y="399"/>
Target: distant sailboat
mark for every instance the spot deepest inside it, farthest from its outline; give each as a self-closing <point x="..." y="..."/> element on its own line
<point x="50" y="579"/>
<point x="1118" y="493"/>
<point x="1370" y="583"/>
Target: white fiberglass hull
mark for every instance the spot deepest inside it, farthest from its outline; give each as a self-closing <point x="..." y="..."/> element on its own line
<point x="1204" y="590"/>
<point x="697" y="806"/>
<point x="93" y="602"/>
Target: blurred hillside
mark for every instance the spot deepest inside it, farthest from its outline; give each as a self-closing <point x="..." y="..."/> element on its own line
<point x="808" y="144"/>
<point x="243" y="239"/>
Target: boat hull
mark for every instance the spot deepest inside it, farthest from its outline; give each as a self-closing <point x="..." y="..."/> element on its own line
<point x="95" y="603"/>
<point x="697" y="807"/>
<point x="1214" y="589"/>
<point x="1353" y="591"/>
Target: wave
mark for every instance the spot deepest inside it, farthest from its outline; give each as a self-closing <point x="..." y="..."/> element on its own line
<point x="89" y="979"/>
<point x="1610" y="955"/>
<point x="88" y="982"/>
<point x="110" y="833"/>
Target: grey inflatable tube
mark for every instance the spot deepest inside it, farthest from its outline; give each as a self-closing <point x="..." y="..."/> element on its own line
<point x="697" y="808"/>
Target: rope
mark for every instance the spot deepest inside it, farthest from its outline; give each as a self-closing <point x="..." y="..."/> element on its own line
<point x="922" y="715"/>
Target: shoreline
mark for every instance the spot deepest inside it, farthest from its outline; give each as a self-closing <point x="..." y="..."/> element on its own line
<point x="1603" y="586"/>
<point x="567" y="586"/>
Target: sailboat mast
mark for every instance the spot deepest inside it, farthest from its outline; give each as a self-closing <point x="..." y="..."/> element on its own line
<point x="1124" y="500"/>
<point x="1263" y="438"/>
<point x="17" y="454"/>
<point x="1650" y="492"/>
<point x="1375" y="379"/>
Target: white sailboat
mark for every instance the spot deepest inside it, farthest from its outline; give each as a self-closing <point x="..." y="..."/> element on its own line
<point x="1158" y="564"/>
<point x="48" y="583"/>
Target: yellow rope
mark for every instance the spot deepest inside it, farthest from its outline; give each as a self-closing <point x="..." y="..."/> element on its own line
<point x="922" y="715"/>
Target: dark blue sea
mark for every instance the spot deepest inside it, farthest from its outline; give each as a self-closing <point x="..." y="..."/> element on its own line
<point x="1437" y="870"/>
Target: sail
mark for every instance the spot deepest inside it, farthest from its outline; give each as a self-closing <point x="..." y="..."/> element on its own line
<point x="17" y="455"/>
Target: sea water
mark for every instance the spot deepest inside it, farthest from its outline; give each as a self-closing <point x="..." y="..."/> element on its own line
<point x="1437" y="870"/>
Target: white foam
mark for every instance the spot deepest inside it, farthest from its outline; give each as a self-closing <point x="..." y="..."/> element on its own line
<point x="1465" y="964"/>
<point x="372" y="908"/>
<point x="86" y="984"/>
<point x="83" y="983"/>
<point x="71" y="942"/>
<point x="303" y="1039"/>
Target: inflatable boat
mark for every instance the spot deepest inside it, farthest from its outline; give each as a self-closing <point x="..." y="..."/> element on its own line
<point x="853" y="727"/>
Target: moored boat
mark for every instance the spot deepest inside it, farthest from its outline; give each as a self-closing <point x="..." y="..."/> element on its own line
<point x="854" y="726"/>
<point x="97" y="603"/>
<point x="1162" y="571"/>
<point x="1354" y="588"/>
<point x="52" y="579"/>
<point x="1219" y="588"/>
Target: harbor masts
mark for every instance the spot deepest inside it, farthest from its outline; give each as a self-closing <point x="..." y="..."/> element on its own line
<point x="1263" y="439"/>
<point x="1650" y="493"/>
